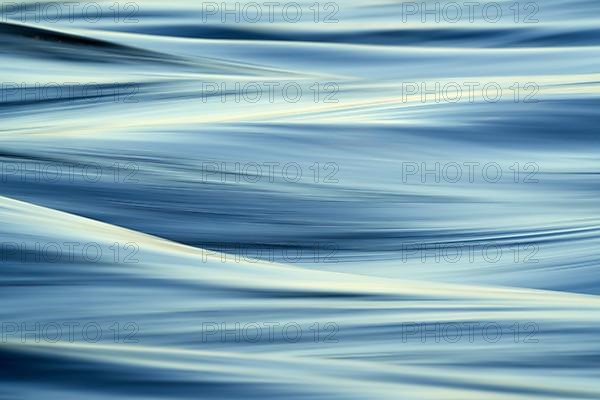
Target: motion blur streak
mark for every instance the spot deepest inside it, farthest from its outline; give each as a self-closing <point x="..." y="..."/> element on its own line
<point x="414" y="216"/>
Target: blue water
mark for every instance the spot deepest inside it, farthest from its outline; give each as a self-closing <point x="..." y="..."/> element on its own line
<point x="394" y="231"/>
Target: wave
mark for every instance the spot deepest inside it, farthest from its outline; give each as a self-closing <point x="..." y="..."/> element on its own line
<point x="369" y="208"/>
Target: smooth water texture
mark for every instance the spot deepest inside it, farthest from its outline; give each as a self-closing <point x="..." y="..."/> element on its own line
<point x="367" y="203"/>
